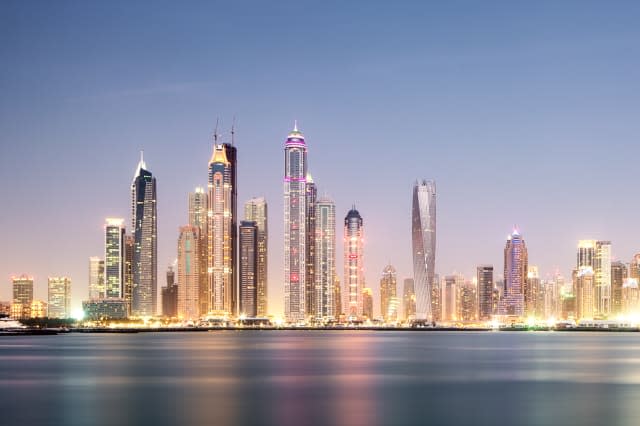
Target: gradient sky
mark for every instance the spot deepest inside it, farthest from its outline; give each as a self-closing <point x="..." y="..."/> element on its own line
<point x="524" y="113"/>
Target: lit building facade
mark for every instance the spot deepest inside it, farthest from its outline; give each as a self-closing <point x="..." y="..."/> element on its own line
<point x="248" y="277"/>
<point x="353" y="263"/>
<point x="584" y="284"/>
<point x="129" y="248"/>
<point x="295" y="223"/>
<point x="388" y="294"/>
<point x="144" y="229"/>
<point x="170" y="295"/>
<point x="310" y="231"/>
<point x="222" y="229"/>
<point x="515" y="273"/>
<point x="96" y="278"/>
<point x="198" y="205"/>
<point x="325" y="258"/>
<point x="114" y="262"/>
<point x="367" y="303"/>
<point x="467" y="301"/>
<point x="22" y="287"/>
<point x="484" y="276"/>
<point x="189" y="272"/>
<point x="630" y="297"/>
<point x="423" y="231"/>
<point x="533" y="293"/>
<point x="256" y="210"/>
<point x="409" y="299"/>
<point x="59" y="297"/>
<point x="618" y="276"/>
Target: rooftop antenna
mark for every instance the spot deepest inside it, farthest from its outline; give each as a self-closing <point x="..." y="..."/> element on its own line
<point x="233" y="131"/>
<point x="215" y="132"/>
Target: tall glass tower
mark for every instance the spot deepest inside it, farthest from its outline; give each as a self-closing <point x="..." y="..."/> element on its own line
<point x="325" y="258"/>
<point x="295" y="223"/>
<point x="114" y="252"/>
<point x="189" y="273"/>
<point x="353" y="263"/>
<point x="311" y="195"/>
<point x="516" y="266"/>
<point x="145" y="245"/>
<point x="256" y="210"/>
<point x="222" y="229"/>
<point x="423" y="229"/>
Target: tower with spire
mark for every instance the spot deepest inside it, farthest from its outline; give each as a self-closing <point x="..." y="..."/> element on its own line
<point x="295" y="226"/>
<point x="145" y="246"/>
<point x="222" y="229"/>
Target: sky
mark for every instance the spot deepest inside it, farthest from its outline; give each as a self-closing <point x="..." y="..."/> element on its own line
<point x="524" y="113"/>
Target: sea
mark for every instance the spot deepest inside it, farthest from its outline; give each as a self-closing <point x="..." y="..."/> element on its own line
<point x="342" y="377"/>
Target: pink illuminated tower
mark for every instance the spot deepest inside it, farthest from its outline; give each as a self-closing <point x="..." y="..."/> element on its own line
<point x="295" y="211"/>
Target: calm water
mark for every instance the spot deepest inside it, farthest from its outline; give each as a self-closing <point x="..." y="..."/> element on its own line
<point x="321" y="378"/>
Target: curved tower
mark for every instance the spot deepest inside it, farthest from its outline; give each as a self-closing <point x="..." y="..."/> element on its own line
<point x="295" y="223"/>
<point x="423" y="229"/>
<point x="353" y="263"/>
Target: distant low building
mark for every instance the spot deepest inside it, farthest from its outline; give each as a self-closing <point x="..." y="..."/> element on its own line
<point x="103" y="309"/>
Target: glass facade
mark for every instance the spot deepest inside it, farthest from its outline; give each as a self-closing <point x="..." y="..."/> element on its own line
<point x="353" y="264"/>
<point x="256" y="210"/>
<point x="325" y="258"/>
<point x="424" y="245"/>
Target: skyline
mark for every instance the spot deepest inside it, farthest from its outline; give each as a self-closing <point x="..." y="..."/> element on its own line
<point x="529" y="135"/>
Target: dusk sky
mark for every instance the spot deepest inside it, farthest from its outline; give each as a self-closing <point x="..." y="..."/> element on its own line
<point x="524" y="113"/>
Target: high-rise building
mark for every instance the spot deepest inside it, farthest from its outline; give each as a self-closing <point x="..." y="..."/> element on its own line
<point x="516" y="266"/>
<point x="256" y="210"/>
<point x="189" y="271"/>
<point x="144" y="230"/>
<point x="409" y="299"/>
<point x="325" y="258"/>
<point x="248" y="277"/>
<point x="222" y="229"/>
<point x="630" y="297"/>
<point x="114" y="258"/>
<point x="618" y="275"/>
<point x="367" y="303"/>
<point x="485" y="292"/>
<point x="198" y="205"/>
<point x="634" y="267"/>
<point x="129" y="248"/>
<point x="198" y="208"/>
<point x="450" y="287"/>
<point x="423" y="231"/>
<point x="22" y="296"/>
<point x="59" y="297"/>
<point x="533" y="295"/>
<point x="295" y="223"/>
<point x="96" y="278"/>
<point x="584" y="284"/>
<point x="310" y="230"/>
<point x="467" y="301"/>
<point x="602" y="270"/>
<point x="436" y="299"/>
<point x="337" y="297"/>
<point x="170" y="295"/>
<point x="353" y="263"/>
<point x="388" y="294"/>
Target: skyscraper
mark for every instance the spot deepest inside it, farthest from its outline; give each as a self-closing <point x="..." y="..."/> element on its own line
<point x="353" y="263"/>
<point x="114" y="266"/>
<point x="516" y="266"/>
<point x="189" y="271"/>
<point x="533" y="293"/>
<point x="222" y="229"/>
<point x="367" y="303"/>
<point x="248" y="277"/>
<point x="310" y="231"/>
<point x="170" y="295"/>
<point x="198" y="208"/>
<point x="59" y="297"/>
<point x="127" y="293"/>
<point x="295" y="223"/>
<point x="22" y="296"/>
<point x="603" y="278"/>
<point x="325" y="257"/>
<point x="388" y="294"/>
<point x="467" y="301"/>
<point x="423" y="231"/>
<point x="409" y="299"/>
<point x="96" y="278"/>
<point x="585" y="292"/>
<point x="450" y="287"/>
<point x="144" y="230"/>
<point x="256" y="210"/>
<point x="198" y="205"/>
<point x="618" y="275"/>
<point x="485" y="292"/>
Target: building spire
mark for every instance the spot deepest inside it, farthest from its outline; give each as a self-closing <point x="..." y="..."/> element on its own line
<point x="295" y="125"/>
<point x="233" y="131"/>
<point x="215" y="132"/>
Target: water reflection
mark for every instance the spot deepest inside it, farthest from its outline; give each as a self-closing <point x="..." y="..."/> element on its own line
<point x="303" y="378"/>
